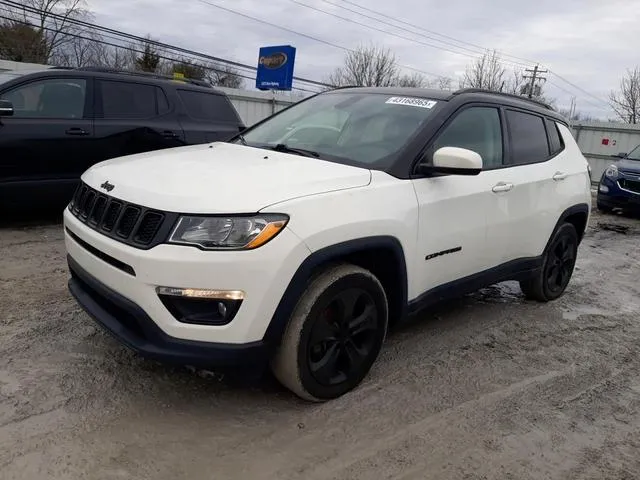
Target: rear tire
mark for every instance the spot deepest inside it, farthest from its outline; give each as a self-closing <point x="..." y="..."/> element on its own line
<point x="334" y="335"/>
<point x="559" y="261"/>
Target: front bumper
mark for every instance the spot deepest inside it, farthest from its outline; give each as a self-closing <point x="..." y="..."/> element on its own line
<point x="129" y="324"/>
<point x="128" y="277"/>
<point x="617" y="197"/>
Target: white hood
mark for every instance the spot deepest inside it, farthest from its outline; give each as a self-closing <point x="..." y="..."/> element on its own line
<point x="220" y="178"/>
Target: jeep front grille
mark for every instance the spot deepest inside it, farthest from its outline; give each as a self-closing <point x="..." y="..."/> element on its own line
<point x="125" y="222"/>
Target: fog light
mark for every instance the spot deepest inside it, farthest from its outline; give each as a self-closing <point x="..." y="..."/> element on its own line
<point x="222" y="309"/>
<point x="604" y="189"/>
<point x="201" y="306"/>
<point x="201" y="293"/>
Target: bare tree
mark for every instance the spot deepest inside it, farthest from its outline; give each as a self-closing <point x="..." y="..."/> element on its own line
<point x="414" y="80"/>
<point x="443" y="83"/>
<point x="223" y="75"/>
<point x="626" y="101"/>
<point x="486" y="72"/>
<point x="54" y="20"/>
<point x="367" y="66"/>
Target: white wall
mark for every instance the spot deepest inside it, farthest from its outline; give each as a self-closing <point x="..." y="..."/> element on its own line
<point x="253" y="106"/>
<point x="598" y="141"/>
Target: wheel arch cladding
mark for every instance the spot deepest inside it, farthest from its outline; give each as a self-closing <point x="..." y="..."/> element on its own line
<point x="382" y="255"/>
<point x="577" y="216"/>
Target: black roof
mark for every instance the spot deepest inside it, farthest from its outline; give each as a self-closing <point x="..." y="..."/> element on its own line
<point x="119" y="74"/>
<point x="404" y="91"/>
<point x="468" y="94"/>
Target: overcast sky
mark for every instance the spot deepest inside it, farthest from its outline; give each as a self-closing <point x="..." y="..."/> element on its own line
<point x="590" y="43"/>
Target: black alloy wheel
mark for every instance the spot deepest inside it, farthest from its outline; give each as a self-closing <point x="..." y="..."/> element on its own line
<point x="560" y="263"/>
<point x="550" y="282"/>
<point x="334" y="335"/>
<point x="343" y="337"/>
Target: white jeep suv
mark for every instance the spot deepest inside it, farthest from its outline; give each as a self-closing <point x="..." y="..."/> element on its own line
<point x="296" y="244"/>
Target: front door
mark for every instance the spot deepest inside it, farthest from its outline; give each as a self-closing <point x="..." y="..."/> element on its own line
<point x="452" y="236"/>
<point x="45" y="143"/>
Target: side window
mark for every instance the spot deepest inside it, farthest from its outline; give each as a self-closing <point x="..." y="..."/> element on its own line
<point x="128" y="100"/>
<point x="50" y="98"/>
<point x="477" y="129"/>
<point x="528" y="138"/>
<point x="555" y="140"/>
<point x="208" y="106"/>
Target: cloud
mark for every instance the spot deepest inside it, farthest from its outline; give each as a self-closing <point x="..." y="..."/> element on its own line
<point x="588" y="43"/>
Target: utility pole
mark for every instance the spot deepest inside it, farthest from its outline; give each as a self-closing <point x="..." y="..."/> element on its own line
<point x="535" y="75"/>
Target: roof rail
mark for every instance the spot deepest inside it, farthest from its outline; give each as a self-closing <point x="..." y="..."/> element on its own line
<point x="200" y="83"/>
<point x="504" y="94"/>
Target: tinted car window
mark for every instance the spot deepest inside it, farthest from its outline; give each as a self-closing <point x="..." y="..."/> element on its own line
<point x="477" y="129"/>
<point x="528" y="137"/>
<point x="207" y="106"/>
<point x="50" y="98"/>
<point x="128" y="100"/>
<point x="555" y="140"/>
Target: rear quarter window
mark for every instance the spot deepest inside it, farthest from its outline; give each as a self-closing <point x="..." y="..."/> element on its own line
<point x="556" y="144"/>
<point x="208" y="106"/>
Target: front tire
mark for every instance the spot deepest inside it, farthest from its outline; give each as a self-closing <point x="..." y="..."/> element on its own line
<point x="334" y="335"/>
<point x="559" y="261"/>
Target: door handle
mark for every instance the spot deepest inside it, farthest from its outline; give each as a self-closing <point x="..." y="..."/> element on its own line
<point x="559" y="176"/>
<point x="169" y="134"/>
<point x="76" y="131"/>
<point x="502" y="187"/>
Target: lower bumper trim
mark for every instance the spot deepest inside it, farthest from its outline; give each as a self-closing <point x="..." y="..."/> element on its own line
<point x="129" y="324"/>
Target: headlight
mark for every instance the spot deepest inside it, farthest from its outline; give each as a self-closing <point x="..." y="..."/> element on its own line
<point x="226" y="232"/>
<point x="611" y="172"/>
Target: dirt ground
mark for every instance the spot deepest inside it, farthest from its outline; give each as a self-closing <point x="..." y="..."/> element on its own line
<point x="491" y="386"/>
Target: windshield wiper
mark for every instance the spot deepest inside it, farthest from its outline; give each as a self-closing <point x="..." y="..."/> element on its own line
<point x="241" y="138"/>
<point x="281" y="147"/>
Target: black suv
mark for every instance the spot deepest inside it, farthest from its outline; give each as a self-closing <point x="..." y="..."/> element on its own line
<point x="56" y="123"/>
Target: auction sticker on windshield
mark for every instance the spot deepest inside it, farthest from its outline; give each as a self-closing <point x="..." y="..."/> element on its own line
<point x="412" y="102"/>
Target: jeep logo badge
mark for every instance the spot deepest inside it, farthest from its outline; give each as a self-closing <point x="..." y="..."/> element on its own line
<point x="107" y="186"/>
<point x="273" y="61"/>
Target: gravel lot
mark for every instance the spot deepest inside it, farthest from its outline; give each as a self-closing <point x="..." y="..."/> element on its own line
<point x="491" y="386"/>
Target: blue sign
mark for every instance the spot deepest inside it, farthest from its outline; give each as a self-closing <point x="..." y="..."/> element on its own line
<point x="275" y="68"/>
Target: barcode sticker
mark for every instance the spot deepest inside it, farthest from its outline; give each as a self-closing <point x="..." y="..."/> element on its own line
<point x="412" y="102"/>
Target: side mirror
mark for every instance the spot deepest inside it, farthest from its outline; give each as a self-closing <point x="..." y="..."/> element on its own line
<point x="6" y="108"/>
<point x="620" y="155"/>
<point x="454" y="161"/>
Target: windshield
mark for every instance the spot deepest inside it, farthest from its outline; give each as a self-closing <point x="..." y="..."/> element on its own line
<point x="362" y="129"/>
<point x="635" y="154"/>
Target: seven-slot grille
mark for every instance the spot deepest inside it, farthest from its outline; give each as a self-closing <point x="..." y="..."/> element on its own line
<point x="128" y="223"/>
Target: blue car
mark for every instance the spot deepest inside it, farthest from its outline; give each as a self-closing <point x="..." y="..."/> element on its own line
<point x="620" y="184"/>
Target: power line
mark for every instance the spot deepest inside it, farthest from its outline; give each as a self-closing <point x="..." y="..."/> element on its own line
<point x="155" y="43"/>
<point x="430" y="37"/>
<point x="304" y="35"/>
<point x="141" y="52"/>
<point x="528" y="62"/>
<point x="455" y="40"/>
<point x="386" y="32"/>
<point x="578" y="88"/>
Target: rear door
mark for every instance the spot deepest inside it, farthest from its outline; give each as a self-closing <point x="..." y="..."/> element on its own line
<point x="133" y="117"/>
<point x="43" y="146"/>
<point x="208" y="116"/>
